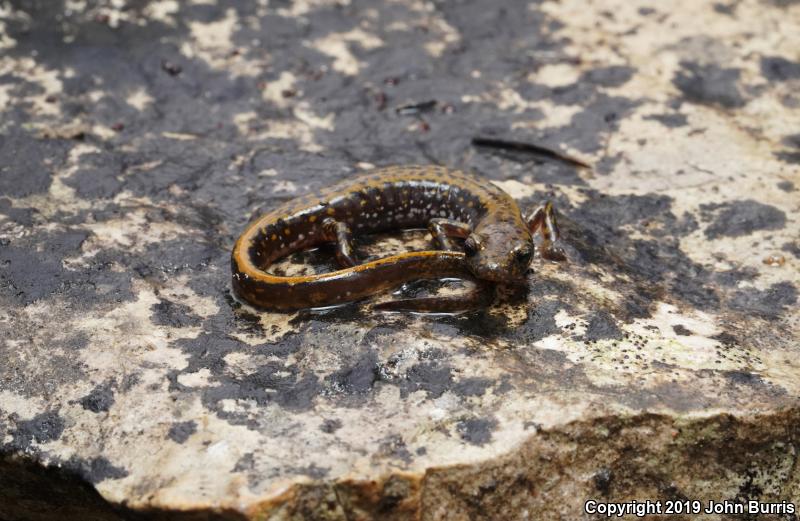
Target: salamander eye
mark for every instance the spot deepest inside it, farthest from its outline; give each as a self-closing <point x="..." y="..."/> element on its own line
<point x="523" y="255"/>
<point x="471" y="245"/>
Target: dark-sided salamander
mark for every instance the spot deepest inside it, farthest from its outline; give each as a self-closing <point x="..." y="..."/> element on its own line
<point x="498" y="246"/>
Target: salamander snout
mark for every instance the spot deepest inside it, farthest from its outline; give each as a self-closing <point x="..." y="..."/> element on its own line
<point x="498" y="259"/>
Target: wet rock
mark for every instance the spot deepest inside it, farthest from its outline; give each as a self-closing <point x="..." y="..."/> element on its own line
<point x="659" y="361"/>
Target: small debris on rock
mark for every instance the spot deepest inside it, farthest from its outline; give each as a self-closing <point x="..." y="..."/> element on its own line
<point x="774" y="260"/>
<point x="380" y="100"/>
<point x="414" y="109"/>
<point x="530" y="148"/>
<point x="173" y="69"/>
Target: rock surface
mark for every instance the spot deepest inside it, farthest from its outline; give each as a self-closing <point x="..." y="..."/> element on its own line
<point x="661" y="362"/>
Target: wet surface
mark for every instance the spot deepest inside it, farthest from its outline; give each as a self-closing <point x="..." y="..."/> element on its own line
<point x="137" y="142"/>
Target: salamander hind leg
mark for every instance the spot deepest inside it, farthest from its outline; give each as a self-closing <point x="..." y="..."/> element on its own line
<point x="543" y="221"/>
<point x="339" y="233"/>
<point x="443" y="229"/>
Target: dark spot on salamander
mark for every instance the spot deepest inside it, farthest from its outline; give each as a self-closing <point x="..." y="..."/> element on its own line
<point x="476" y="431"/>
<point x="710" y="84"/>
<point x="179" y="432"/>
<point x="778" y="68"/>
<point x="100" y="399"/>
<point x="738" y="218"/>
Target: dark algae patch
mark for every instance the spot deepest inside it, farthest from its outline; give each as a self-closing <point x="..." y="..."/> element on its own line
<point x="602" y="326"/>
<point x="330" y="425"/>
<point x="681" y="330"/>
<point x="431" y="377"/>
<point x="778" y="68"/>
<point x="653" y="268"/>
<point x="100" y="399"/>
<point x="42" y="428"/>
<point x="789" y="157"/>
<point x="670" y="120"/>
<point x="710" y="84"/>
<point x="179" y="432"/>
<point x="28" y="173"/>
<point x="769" y="303"/>
<point x="472" y="386"/>
<point x="96" y="469"/>
<point x="98" y="176"/>
<point x="357" y="378"/>
<point x="23" y="216"/>
<point x="476" y="431"/>
<point x="173" y="314"/>
<point x="742" y="218"/>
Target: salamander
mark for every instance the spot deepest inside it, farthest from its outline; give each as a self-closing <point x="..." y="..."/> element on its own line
<point x="497" y="247"/>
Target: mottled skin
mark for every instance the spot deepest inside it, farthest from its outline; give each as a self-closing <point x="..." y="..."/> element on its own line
<point x="498" y="243"/>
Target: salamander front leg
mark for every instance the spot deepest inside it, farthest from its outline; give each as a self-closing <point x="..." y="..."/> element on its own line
<point x="443" y="229"/>
<point x="543" y="220"/>
<point x="339" y="233"/>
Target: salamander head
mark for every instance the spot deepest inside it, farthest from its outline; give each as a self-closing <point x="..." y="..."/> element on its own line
<point x="499" y="252"/>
